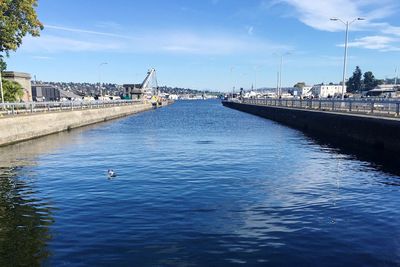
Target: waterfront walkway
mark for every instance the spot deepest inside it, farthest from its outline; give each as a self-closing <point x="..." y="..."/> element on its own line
<point x="368" y="107"/>
<point x="13" y="109"/>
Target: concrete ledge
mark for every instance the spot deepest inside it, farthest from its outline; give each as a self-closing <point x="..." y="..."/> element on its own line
<point x="374" y="132"/>
<point x="20" y="128"/>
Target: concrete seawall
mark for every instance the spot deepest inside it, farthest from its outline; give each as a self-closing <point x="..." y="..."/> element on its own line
<point x="379" y="134"/>
<point x="15" y="129"/>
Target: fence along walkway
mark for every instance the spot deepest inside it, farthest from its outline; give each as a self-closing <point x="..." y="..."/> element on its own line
<point x="385" y="108"/>
<point x="36" y="107"/>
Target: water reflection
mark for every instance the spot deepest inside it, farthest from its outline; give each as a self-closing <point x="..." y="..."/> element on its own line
<point x="201" y="185"/>
<point x="25" y="213"/>
<point x="24" y="220"/>
<point x="373" y="158"/>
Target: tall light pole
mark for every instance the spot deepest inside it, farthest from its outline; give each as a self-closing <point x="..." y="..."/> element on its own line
<point x="279" y="82"/>
<point x="1" y="90"/>
<point x="347" y="24"/>
<point x="232" y="80"/>
<point x="256" y="68"/>
<point x="101" y="64"/>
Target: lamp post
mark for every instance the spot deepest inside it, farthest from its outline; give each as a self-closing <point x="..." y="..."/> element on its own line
<point x="1" y="90"/>
<point x="232" y="80"/>
<point x="347" y="24"/>
<point x="279" y="82"/>
<point x="101" y="64"/>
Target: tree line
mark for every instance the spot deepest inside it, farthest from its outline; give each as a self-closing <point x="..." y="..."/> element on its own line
<point x="360" y="82"/>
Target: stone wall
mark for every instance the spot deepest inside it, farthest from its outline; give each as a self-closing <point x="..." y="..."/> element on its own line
<point x="376" y="133"/>
<point x="14" y="129"/>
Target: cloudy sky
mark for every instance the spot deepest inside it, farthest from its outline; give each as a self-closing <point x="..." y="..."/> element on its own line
<point x="210" y="44"/>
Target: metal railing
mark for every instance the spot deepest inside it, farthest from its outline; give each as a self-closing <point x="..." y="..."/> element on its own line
<point x="387" y="108"/>
<point x="36" y="107"/>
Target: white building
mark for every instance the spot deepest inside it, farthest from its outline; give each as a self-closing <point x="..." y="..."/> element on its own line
<point x="327" y="90"/>
<point x="303" y="91"/>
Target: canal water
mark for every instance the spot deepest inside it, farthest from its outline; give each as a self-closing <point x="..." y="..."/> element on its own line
<point x="197" y="185"/>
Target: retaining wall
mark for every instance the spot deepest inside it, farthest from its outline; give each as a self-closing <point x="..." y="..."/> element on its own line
<point x="375" y="132"/>
<point x="14" y="129"/>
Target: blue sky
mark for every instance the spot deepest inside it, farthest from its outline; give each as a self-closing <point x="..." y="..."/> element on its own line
<point x="209" y="44"/>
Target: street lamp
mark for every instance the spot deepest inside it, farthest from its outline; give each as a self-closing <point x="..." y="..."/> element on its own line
<point x="232" y="80"/>
<point x="279" y="82"/>
<point x="347" y="24"/>
<point x="1" y="90"/>
<point x="101" y="64"/>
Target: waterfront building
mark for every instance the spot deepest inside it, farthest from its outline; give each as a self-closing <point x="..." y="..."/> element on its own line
<point x="45" y="92"/>
<point x="302" y="91"/>
<point x="133" y="91"/>
<point x="24" y="79"/>
<point x="327" y="90"/>
<point x="69" y="96"/>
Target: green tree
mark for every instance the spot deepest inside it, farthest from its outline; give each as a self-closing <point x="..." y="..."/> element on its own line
<point x="3" y="65"/>
<point x="354" y="83"/>
<point x="369" y="81"/>
<point x="12" y="91"/>
<point x="17" y="18"/>
<point x="300" y="85"/>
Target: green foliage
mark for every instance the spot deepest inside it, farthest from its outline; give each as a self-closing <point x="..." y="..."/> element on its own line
<point x="3" y="64"/>
<point x="369" y="81"/>
<point x="354" y="83"/>
<point x="300" y="85"/>
<point x="17" y="18"/>
<point x="12" y="91"/>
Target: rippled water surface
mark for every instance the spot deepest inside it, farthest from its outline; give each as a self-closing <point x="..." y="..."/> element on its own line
<point x="198" y="184"/>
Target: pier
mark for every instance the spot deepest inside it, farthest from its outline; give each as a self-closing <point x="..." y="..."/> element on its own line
<point x="372" y="124"/>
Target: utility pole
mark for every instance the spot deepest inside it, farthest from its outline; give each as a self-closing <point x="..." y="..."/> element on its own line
<point x="347" y="24"/>
<point x="279" y="81"/>
<point x="1" y="91"/>
<point x="345" y="60"/>
<point x="280" y="76"/>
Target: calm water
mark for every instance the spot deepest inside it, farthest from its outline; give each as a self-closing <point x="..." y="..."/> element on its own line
<point x="198" y="184"/>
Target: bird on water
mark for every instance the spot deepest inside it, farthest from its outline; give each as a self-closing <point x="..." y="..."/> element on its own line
<point x="111" y="173"/>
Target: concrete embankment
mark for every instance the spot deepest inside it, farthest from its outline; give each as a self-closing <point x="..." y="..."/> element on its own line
<point x="14" y="129"/>
<point x="378" y="133"/>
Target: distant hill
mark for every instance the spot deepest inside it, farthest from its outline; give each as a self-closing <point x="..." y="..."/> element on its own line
<point x="92" y="89"/>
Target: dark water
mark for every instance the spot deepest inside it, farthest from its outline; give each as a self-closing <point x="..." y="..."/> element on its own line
<point x="198" y="184"/>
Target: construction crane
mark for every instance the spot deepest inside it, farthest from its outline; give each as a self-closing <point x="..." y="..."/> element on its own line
<point x="150" y="85"/>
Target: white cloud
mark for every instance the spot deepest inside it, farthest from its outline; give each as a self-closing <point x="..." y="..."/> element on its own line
<point x="82" y="31"/>
<point x="53" y="44"/>
<point x="60" y="39"/>
<point x="382" y="43"/>
<point x="317" y="14"/>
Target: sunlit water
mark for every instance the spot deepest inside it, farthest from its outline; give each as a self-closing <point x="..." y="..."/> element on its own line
<point x="197" y="184"/>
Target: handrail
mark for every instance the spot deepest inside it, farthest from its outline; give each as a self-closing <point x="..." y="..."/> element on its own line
<point x="376" y="107"/>
<point x="35" y="107"/>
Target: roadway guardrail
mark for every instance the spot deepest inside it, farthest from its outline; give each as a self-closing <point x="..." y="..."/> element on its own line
<point x="35" y="107"/>
<point x="387" y="108"/>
